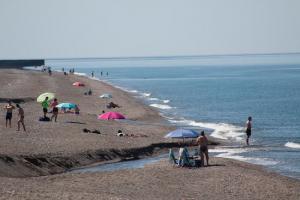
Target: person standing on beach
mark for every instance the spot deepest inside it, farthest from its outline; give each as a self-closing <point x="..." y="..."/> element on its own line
<point x="203" y="142"/>
<point x="21" y="117"/>
<point x="248" y="129"/>
<point x="9" y="109"/>
<point x="45" y="105"/>
<point x="77" y="110"/>
<point x="54" y="109"/>
<point x="92" y="73"/>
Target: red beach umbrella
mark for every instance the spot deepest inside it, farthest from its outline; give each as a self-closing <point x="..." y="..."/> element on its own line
<point x="78" y="84"/>
<point x="111" y="115"/>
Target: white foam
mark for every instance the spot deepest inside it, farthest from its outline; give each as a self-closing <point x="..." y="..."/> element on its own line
<point x="133" y="91"/>
<point x="80" y="74"/>
<point x="153" y="99"/>
<point x="166" y="101"/>
<point x="33" y="68"/>
<point x="219" y="130"/>
<point x="146" y="94"/>
<point x="161" y="106"/>
<point x="292" y="145"/>
<point x="234" y="154"/>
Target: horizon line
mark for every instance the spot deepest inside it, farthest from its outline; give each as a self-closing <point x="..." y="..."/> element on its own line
<point x="174" y="56"/>
<point x="159" y="57"/>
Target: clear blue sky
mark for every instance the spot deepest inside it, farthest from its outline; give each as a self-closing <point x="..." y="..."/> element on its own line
<point x="114" y="28"/>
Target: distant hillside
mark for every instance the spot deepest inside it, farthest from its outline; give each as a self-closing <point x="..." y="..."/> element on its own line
<point x="20" y="63"/>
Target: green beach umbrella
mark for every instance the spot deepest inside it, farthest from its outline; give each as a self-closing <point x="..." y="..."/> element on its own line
<point x="42" y="97"/>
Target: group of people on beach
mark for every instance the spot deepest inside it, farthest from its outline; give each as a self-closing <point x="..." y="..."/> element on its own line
<point x="53" y="105"/>
<point x="9" y="113"/>
<point x="101" y="73"/>
<point x="46" y="104"/>
<point x="202" y="143"/>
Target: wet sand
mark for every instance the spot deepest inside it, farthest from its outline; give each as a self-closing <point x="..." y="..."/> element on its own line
<point x="48" y="144"/>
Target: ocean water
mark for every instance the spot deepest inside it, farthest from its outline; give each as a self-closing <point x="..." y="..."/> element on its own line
<point x="217" y="94"/>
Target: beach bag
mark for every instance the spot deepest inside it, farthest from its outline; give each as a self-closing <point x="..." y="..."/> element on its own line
<point x="44" y="119"/>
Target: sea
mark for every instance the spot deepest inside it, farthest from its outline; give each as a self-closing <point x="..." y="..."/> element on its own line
<point x="216" y="94"/>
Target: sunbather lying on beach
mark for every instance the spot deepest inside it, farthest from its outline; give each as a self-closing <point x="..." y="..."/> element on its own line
<point x="121" y="134"/>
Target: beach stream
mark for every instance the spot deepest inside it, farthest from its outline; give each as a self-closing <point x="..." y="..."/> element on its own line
<point x="130" y="164"/>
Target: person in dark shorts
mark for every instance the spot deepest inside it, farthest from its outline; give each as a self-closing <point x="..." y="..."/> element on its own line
<point x="77" y="110"/>
<point x="248" y="129"/>
<point x="9" y="109"/>
<point x="203" y="142"/>
<point x="21" y="117"/>
<point x="45" y="105"/>
<point x="54" y="109"/>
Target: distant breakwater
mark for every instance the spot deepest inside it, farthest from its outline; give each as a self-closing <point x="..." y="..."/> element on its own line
<point x="20" y="63"/>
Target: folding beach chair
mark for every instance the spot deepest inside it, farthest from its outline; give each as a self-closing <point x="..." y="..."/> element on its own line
<point x="172" y="158"/>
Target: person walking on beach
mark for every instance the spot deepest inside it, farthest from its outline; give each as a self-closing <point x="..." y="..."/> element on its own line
<point x="203" y="142"/>
<point x="248" y="129"/>
<point x="9" y="109"/>
<point x="21" y="117"/>
<point x="45" y="105"/>
<point x="54" y="109"/>
<point x="92" y="73"/>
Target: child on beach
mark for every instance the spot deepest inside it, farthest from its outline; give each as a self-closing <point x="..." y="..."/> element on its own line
<point x="76" y="110"/>
<point x="21" y="117"/>
<point x="45" y="105"/>
<point x="9" y="108"/>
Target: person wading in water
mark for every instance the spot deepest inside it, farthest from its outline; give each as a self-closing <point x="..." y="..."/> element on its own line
<point x="248" y="129"/>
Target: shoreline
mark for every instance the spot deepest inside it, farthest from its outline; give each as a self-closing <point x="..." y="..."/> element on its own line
<point x="33" y="162"/>
<point x="64" y="140"/>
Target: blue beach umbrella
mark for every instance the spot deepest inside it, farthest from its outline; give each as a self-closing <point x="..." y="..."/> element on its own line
<point x="182" y="133"/>
<point x="66" y="105"/>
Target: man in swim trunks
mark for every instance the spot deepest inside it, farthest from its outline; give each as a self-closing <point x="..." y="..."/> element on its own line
<point x="21" y="117"/>
<point x="203" y="142"/>
<point x="248" y="129"/>
<point x="54" y="109"/>
<point x="9" y="108"/>
<point x="45" y="105"/>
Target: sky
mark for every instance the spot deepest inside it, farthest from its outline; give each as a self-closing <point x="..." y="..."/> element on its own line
<point x="31" y="29"/>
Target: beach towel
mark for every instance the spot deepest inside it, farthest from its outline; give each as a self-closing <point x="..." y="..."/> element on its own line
<point x="44" y="119"/>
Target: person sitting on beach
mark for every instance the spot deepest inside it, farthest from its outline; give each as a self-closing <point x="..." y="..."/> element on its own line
<point x="76" y="110"/>
<point x="54" y="109"/>
<point x="183" y="158"/>
<point x="89" y="92"/>
<point x="203" y="142"/>
<point x="120" y="133"/>
<point x="45" y="105"/>
<point x="21" y="117"/>
<point x="112" y="105"/>
<point x="9" y="109"/>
